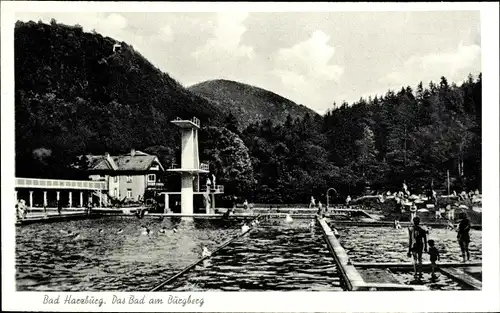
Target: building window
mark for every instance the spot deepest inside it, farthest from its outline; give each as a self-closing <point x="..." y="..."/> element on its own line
<point x="151" y="178"/>
<point x="115" y="179"/>
<point x="129" y="193"/>
<point x="129" y="179"/>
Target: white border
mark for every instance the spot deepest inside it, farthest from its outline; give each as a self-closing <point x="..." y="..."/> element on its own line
<point x="464" y="301"/>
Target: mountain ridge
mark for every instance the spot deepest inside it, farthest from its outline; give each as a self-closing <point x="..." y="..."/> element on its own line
<point x="248" y="103"/>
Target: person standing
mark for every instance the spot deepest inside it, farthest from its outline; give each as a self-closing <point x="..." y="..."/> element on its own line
<point x="413" y="210"/>
<point x="417" y="245"/>
<point x="463" y="235"/>
<point x="434" y="197"/>
<point x="312" y="204"/>
<point x="208" y="183"/>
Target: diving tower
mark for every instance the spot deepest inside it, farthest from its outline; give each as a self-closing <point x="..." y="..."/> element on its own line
<point x="190" y="167"/>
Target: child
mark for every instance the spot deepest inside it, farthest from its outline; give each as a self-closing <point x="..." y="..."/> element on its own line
<point x="434" y="254"/>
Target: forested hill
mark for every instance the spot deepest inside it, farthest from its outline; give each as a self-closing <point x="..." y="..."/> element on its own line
<point x="415" y="136"/>
<point x="75" y="95"/>
<point x="249" y="104"/>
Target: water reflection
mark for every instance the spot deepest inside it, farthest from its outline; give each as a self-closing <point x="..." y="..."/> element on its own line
<point x="385" y="244"/>
<point x="127" y="261"/>
<point x="277" y="255"/>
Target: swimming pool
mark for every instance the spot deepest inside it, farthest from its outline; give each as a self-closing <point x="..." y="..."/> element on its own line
<point x="386" y="244"/>
<point x="47" y="260"/>
<point x="274" y="256"/>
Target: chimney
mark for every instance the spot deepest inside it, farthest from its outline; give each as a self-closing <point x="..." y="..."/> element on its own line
<point x="132" y="152"/>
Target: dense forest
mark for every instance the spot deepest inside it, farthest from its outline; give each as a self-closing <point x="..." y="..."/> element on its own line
<point x="374" y="144"/>
<point x="76" y="95"/>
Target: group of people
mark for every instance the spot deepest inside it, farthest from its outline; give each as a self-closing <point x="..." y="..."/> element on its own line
<point x="419" y="243"/>
<point x="312" y="204"/>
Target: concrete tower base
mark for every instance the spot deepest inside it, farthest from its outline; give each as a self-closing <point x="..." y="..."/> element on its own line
<point x="187" y="194"/>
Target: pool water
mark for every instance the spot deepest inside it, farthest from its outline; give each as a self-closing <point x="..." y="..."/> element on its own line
<point x="441" y="282"/>
<point x="386" y="244"/>
<point x="275" y="256"/>
<point x="47" y="260"/>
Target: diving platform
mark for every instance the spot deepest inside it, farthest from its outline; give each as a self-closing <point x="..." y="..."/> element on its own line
<point x="202" y="169"/>
<point x="190" y="169"/>
<point x="192" y="123"/>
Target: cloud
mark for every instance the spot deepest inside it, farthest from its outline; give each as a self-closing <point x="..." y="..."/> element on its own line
<point x="305" y="71"/>
<point x="227" y="37"/>
<point x="115" y="21"/>
<point x="167" y="34"/>
<point x="454" y="65"/>
<point x="307" y="63"/>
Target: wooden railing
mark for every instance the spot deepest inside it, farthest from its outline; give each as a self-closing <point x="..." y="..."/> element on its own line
<point x="217" y="188"/>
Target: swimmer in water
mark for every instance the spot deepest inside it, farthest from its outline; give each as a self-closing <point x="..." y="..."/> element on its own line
<point x="119" y="231"/>
<point x="205" y="252"/>
<point x="146" y="231"/>
<point x="288" y="218"/>
<point x="245" y="228"/>
<point x="312" y="224"/>
<point x="101" y="231"/>
<point x="163" y="230"/>
<point x="174" y="230"/>
<point x="68" y="233"/>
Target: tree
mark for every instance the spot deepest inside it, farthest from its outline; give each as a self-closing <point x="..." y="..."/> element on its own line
<point x="229" y="160"/>
<point x="367" y="152"/>
<point x="231" y="123"/>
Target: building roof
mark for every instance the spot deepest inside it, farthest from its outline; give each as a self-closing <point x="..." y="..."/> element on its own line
<point x="133" y="161"/>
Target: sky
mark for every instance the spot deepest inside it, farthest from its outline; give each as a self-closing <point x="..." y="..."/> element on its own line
<point x="313" y="58"/>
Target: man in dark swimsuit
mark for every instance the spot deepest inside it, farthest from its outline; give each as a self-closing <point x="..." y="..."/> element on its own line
<point x="463" y="235"/>
<point x="417" y="244"/>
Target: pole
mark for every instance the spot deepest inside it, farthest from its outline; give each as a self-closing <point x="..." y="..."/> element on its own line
<point x="405" y="148"/>
<point x="166" y="209"/>
<point x="328" y="197"/>
<point x="448" y="178"/>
